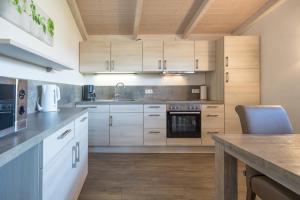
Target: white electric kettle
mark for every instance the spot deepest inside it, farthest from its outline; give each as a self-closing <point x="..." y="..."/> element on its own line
<point x="49" y="98"/>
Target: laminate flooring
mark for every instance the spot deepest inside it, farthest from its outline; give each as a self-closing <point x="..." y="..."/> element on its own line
<point x="152" y="177"/>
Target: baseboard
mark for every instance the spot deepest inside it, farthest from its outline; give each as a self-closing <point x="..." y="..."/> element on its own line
<point x="156" y="149"/>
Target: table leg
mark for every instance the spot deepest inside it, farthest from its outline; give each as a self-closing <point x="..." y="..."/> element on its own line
<point x="226" y="174"/>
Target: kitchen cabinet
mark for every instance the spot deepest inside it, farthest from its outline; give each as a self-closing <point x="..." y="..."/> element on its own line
<point x="126" y="125"/>
<point x="65" y="171"/>
<point x="98" y="128"/>
<point x="212" y="121"/>
<point x="239" y="57"/>
<point x="152" y="56"/>
<point x="179" y="56"/>
<point x="126" y="56"/>
<point x="205" y="55"/>
<point x="95" y="57"/>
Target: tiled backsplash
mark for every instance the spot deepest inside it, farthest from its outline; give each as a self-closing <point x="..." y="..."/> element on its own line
<point x="170" y="93"/>
<point x="69" y="94"/>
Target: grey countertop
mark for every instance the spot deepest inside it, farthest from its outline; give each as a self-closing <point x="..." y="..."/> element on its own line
<point x="112" y="102"/>
<point x="40" y="125"/>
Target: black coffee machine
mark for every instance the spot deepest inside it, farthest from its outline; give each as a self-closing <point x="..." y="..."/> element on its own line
<point x="88" y="93"/>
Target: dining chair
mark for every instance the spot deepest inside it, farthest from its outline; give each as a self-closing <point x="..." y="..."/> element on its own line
<point x="265" y="120"/>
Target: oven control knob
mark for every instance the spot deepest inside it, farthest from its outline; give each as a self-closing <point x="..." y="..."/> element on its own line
<point x="22" y="94"/>
<point x="22" y="110"/>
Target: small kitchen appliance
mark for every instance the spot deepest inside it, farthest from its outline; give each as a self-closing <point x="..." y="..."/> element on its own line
<point x="88" y="93"/>
<point x="203" y="92"/>
<point x="183" y="120"/>
<point x="49" y="98"/>
<point x="13" y="105"/>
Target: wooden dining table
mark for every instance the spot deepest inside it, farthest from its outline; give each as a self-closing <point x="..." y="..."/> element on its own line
<point x="276" y="156"/>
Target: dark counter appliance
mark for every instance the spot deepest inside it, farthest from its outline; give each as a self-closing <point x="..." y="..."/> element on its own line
<point x="88" y="93"/>
<point x="13" y="105"/>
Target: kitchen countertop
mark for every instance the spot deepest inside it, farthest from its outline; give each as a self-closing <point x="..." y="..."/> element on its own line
<point x="112" y="102"/>
<point x="39" y="126"/>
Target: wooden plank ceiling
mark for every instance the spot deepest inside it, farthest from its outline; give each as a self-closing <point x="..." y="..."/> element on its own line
<point x="126" y="17"/>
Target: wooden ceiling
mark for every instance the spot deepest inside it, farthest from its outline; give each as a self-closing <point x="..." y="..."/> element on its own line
<point x="126" y="17"/>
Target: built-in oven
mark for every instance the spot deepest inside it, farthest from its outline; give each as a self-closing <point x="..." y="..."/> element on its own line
<point x="183" y="121"/>
<point x="13" y="104"/>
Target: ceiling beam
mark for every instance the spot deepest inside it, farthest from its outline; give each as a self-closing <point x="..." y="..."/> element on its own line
<point x="263" y="11"/>
<point x="77" y="16"/>
<point x="137" y="18"/>
<point x="197" y="17"/>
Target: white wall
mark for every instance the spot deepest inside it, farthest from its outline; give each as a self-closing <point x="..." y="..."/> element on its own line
<point x="138" y="79"/>
<point x="280" y="77"/>
<point x="65" y="49"/>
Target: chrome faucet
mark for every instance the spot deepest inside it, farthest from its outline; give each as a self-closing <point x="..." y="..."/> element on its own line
<point x="118" y="85"/>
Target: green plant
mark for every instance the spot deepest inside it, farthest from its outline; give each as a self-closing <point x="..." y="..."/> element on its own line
<point x="50" y="24"/>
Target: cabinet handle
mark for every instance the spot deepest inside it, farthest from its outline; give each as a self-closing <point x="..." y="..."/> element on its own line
<point x="212" y="115"/>
<point x="110" y="120"/>
<point x="227" y="61"/>
<point x="107" y="65"/>
<point x="197" y="63"/>
<point x="165" y="64"/>
<point x="212" y="132"/>
<point x="83" y="119"/>
<point x="73" y="157"/>
<point x="112" y="65"/>
<point x="64" y="134"/>
<point x="154" y="115"/>
<point x="211" y="106"/>
<point x="159" y="64"/>
<point x="77" y="152"/>
<point x="154" y="106"/>
<point x="154" y="132"/>
<point x="227" y="77"/>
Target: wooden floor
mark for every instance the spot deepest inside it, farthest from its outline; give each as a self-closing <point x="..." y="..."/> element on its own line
<point x="152" y="177"/>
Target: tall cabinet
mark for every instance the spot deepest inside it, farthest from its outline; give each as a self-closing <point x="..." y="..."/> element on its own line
<point x="237" y="76"/>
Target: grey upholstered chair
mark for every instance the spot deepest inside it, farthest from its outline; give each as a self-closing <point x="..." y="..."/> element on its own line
<point x="265" y="120"/>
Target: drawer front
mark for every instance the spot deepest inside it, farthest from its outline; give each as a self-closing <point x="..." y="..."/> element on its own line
<point x="126" y="108"/>
<point x="212" y="120"/>
<point x="155" y="137"/>
<point x="155" y="120"/>
<point x="212" y="108"/>
<point x="95" y="108"/>
<point x="207" y="136"/>
<point x="53" y="144"/>
<point x="152" y="108"/>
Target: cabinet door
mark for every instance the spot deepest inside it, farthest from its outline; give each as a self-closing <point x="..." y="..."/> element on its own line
<point x="59" y="176"/>
<point x="241" y="52"/>
<point x="152" y="56"/>
<point x="126" y="129"/>
<point x="98" y="129"/>
<point x="94" y="57"/>
<point x="205" y="55"/>
<point x="179" y="56"/>
<point x="126" y="56"/>
<point x="242" y="86"/>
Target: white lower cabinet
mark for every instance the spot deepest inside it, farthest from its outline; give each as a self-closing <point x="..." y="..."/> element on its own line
<point x="65" y="172"/>
<point x="155" y="137"/>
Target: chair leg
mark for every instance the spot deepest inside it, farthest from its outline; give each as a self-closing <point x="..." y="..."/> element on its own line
<point x="250" y="195"/>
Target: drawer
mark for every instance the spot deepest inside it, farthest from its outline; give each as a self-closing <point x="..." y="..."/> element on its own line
<point x="212" y="120"/>
<point x="53" y="144"/>
<point x="155" y="108"/>
<point x="207" y="135"/>
<point x="155" y="120"/>
<point x="155" y="137"/>
<point x="126" y="108"/>
<point x="212" y="108"/>
<point x="95" y="108"/>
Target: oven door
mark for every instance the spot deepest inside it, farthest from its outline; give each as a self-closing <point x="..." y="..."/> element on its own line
<point x="7" y="118"/>
<point x="184" y="125"/>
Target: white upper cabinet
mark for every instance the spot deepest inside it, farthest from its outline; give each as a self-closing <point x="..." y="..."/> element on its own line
<point x="94" y="57"/>
<point x="205" y="55"/>
<point x="179" y="56"/>
<point x="152" y="56"/>
<point x="126" y="56"/>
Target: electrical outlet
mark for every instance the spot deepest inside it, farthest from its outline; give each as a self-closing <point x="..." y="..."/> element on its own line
<point x="148" y="91"/>
<point x="195" y="91"/>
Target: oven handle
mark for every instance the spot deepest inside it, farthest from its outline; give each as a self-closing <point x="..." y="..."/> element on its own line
<point x="191" y="113"/>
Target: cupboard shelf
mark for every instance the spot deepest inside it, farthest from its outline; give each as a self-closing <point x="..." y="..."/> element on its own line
<point x="15" y="50"/>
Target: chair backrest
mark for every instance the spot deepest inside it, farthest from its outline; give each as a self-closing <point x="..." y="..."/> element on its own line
<point x="264" y="120"/>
